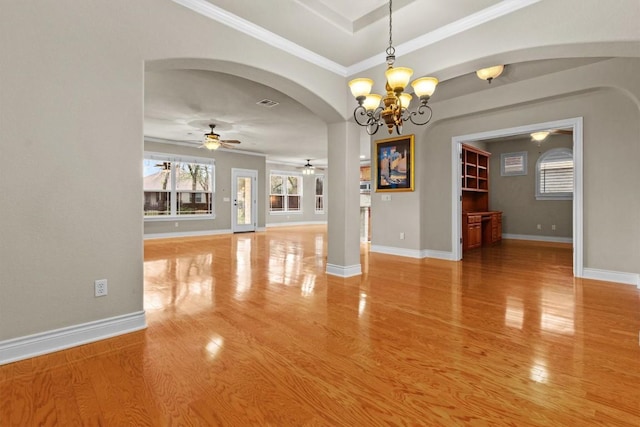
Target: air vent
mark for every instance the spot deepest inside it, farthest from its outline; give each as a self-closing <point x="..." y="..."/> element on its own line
<point x="267" y="103"/>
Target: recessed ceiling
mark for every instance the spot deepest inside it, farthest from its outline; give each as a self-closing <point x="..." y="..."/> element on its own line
<point x="179" y="104"/>
<point x="348" y="32"/>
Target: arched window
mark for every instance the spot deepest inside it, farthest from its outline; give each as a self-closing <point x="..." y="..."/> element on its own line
<point x="554" y="175"/>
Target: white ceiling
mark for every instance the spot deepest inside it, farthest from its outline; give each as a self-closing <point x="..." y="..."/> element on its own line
<point x="179" y="104"/>
<point x="360" y="28"/>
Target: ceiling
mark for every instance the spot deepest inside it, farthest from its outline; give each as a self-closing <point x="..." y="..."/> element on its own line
<point x="180" y="104"/>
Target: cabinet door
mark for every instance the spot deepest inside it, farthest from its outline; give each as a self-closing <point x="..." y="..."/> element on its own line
<point x="475" y="235"/>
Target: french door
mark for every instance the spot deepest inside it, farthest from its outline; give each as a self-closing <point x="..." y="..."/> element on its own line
<point x="244" y="209"/>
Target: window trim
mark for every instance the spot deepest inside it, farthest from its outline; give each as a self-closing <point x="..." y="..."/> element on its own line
<point x="176" y="158"/>
<point x="286" y="210"/>
<point x="553" y="152"/>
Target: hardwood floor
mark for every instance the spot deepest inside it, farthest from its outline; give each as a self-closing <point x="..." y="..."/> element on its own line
<point x="248" y="330"/>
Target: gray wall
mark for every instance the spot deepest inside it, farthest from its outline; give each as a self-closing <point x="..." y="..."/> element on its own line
<point x="515" y="196"/>
<point x="224" y="162"/>
<point x="611" y="149"/>
<point x="71" y="140"/>
<point x="308" y="214"/>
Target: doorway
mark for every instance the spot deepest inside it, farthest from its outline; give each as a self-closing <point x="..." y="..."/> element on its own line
<point x="244" y="209"/>
<point x="575" y="124"/>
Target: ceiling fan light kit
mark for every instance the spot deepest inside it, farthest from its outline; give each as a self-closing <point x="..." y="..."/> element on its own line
<point x="212" y="140"/>
<point x="394" y="110"/>
<point x="308" y="169"/>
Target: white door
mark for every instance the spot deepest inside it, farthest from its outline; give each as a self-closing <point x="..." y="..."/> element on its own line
<point x="244" y="206"/>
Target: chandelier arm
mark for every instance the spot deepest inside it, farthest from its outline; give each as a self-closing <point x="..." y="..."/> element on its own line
<point x="372" y="127"/>
<point x="360" y="111"/>
<point x="373" y="117"/>
<point x="420" y="112"/>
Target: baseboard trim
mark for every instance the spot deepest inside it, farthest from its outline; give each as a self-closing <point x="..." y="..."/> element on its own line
<point x="553" y="239"/>
<point x="344" y="270"/>
<point x="447" y="256"/>
<point x="612" y="276"/>
<point x="292" y="224"/>
<point x="172" y="235"/>
<point x="391" y="250"/>
<point x="59" y="339"/>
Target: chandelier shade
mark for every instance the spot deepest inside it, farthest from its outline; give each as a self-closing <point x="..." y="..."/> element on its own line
<point x="392" y="110"/>
<point x="372" y="101"/>
<point x="424" y="86"/>
<point x="398" y="78"/>
<point x="360" y="87"/>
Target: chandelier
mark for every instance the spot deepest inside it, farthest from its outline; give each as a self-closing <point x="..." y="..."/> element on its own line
<point x="395" y="105"/>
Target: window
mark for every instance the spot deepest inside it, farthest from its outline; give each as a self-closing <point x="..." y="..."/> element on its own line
<point x="177" y="187"/>
<point x="319" y="194"/>
<point x="285" y="192"/>
<point x="554" y="175"/>
<point x="512" y="164"/>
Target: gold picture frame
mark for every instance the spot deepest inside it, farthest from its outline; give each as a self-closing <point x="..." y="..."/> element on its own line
<point x="394" y="164"/>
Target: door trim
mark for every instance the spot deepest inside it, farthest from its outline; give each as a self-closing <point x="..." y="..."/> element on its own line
<point x="576" y="124"/>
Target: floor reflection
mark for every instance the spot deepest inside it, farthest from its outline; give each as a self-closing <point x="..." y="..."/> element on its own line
<point x="431" y="331"/>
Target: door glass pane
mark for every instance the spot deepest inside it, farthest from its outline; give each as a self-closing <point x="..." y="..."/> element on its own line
<point x="244" y="214"/>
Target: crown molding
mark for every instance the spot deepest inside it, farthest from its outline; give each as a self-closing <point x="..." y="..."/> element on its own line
<point x="237" y="23"/>
<point x="505" y="7"/>
<point x="231" y="20"/>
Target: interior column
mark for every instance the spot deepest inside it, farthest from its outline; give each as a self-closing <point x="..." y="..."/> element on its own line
<point x="344" y="200"/>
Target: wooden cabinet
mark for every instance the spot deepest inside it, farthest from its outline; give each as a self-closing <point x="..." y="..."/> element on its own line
<point x="480" y="226"/>
<point x="472" y="237"/>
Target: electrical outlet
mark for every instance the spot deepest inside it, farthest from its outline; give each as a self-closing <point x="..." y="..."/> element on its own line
<point x="553" y="227"/>
<point x="401" y="236"/>
<point x="101" y="287"/>
<point x="539" y="226"/>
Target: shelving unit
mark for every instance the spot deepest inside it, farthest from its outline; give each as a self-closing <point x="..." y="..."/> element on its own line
<point x="475" y="169"/>
<point x="479" y="225"/>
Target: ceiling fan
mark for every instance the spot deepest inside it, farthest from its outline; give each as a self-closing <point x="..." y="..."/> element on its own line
<point x="540" y="136"/>
<point x="309" y="169"/>
<point x="212" y="140"/>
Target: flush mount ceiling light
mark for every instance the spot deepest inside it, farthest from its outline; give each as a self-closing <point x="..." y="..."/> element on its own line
<point x="490" y="73"/>
<point x="395" y="109"/>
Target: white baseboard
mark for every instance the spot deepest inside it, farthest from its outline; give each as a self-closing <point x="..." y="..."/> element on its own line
<point x="185" y="234"/>
<point x="428" y="253"/>
<point x="344" y="270"/>
<point x="390" y="250"/>
<point x="413" y="253"/>
<point x="291" y="224"/>
<point x="611" y="276"/>
<point x="553" y="239"/>
<point x="59" y="339"/>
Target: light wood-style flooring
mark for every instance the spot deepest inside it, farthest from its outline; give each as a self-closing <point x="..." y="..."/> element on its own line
<point x="247" y="330"/>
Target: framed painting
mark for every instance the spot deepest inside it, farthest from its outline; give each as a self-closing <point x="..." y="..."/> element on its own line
<point x="394" y="164"/>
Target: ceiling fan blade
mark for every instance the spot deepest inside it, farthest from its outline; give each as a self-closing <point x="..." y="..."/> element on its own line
<point x="230" y="141"/>
<point x="563" y="131"/>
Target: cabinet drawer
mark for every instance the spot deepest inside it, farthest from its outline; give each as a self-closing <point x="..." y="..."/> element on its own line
<point x="472" y="219"/>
